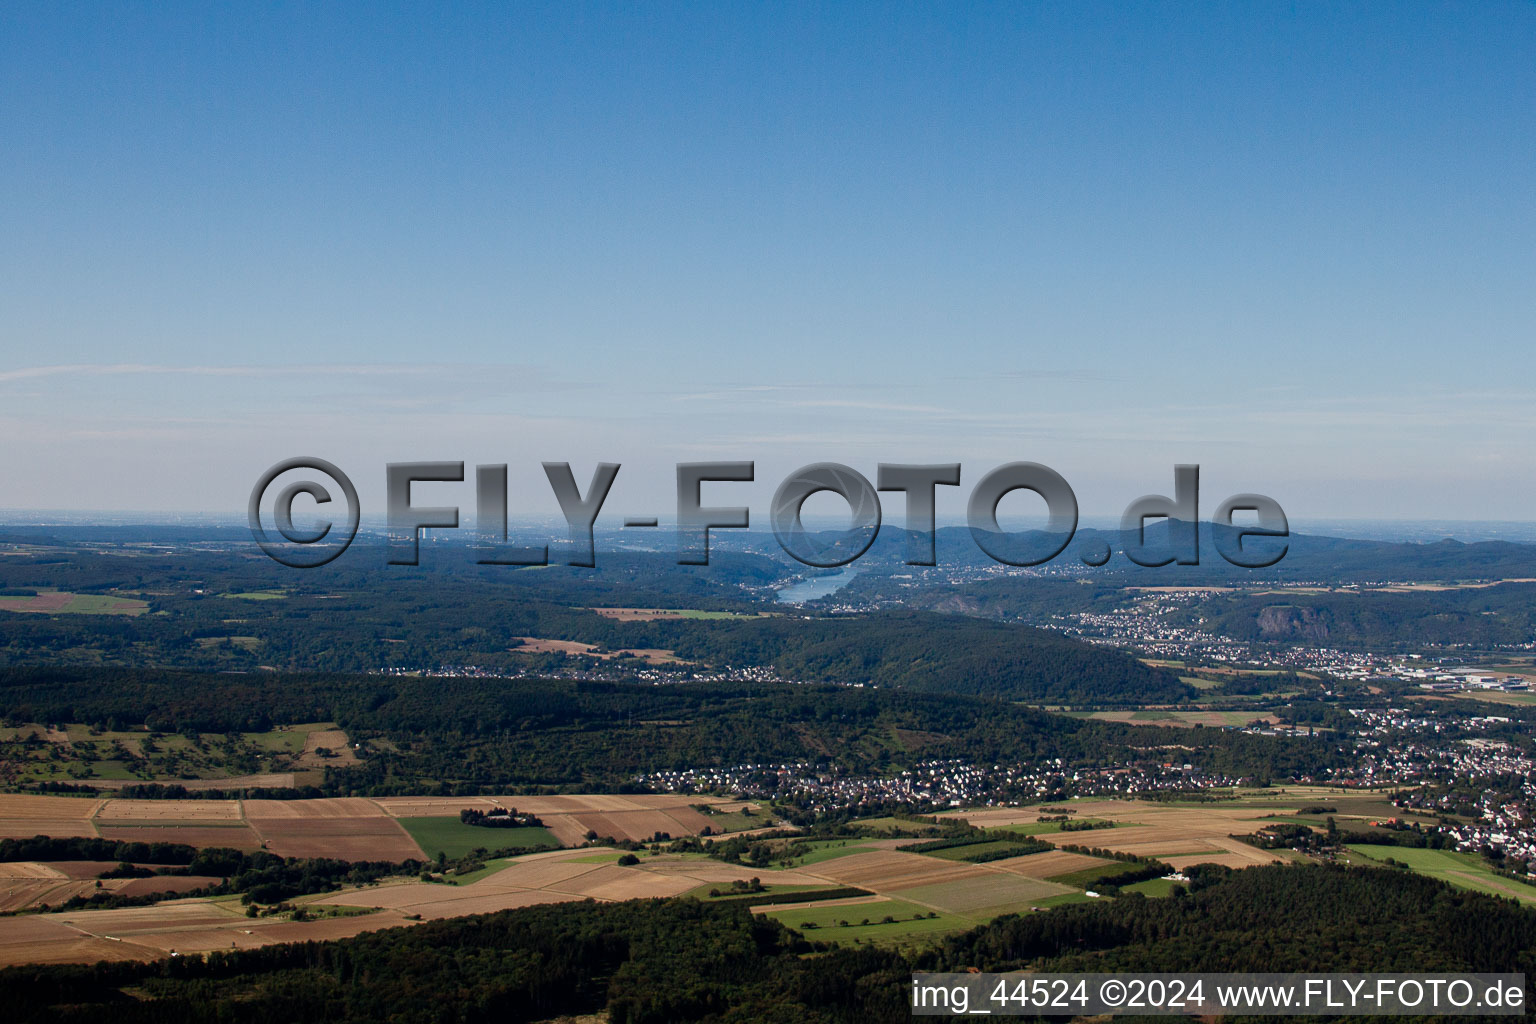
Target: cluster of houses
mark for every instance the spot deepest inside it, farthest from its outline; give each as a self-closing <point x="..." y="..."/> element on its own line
<point x="933" y="784"/>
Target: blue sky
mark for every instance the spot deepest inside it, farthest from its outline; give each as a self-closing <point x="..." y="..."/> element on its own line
<point x="1292" y="243"/>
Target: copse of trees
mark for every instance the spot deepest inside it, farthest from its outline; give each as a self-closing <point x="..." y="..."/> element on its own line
<point x="499" y="817"/>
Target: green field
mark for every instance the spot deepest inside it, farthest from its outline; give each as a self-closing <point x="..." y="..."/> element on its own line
<point x="911" y="922"/>
<point x="1063" y="899"/>
<point x="819" y="850"/>
<point x="603" y="857"/>
<point x="898" y="826"/>
<point x="491" y="867"/>
<point x="289" y="739"/>
<point x="1153" y="887"/>
<point x="259" y="595"/>
<point x="1463" y="870"/>
<point x="735" y="821"/>
<point x="456" y="839"/>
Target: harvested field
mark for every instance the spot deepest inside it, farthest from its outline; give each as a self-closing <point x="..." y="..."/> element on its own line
<point x="889" y="870"/>
<point x="370" y="838"/>
<point x="439" y="901"/>
<point x="542" y="645"/>
<point x="79" y="868"/>
<point x="714" y="871"/>
<point x="45" y="940"/>
<point x="333" y="740"/>
<point x="130" y="920"/>
<point x="153" y="811"/>
<point x="1165" y="831"/>
<point x="652" y="655"/>
<point x="542" y="873"/>
<point x="640" y="614"/>
<point x="569" y="803"/>
<point x="566" y="830"/>
<point x="328" y="807"/>
<point x="25" y="885"/>
<point x="641" y="824"/>
<point x="32" y="869"/>
<point x="236" y="837"/>
<point x="490" y="903"/>
<point x="59" y="828"/>
<point x="611" y="882"/>
<point x="20" y="893"/>
<point x="269" y="780"/>
<point x="53" y="808"/>
<point x="689" y="820"/>
<point x="163" y="883"/>
<point x="1048" y="864"/>
<point x="53" y="602"/>
<point x="995" y="893"/>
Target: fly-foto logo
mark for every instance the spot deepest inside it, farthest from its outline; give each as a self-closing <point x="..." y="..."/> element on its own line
<point x="1253" y="545"/>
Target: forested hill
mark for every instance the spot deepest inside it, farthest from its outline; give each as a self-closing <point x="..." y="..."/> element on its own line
<point x="469" y="734"/>
<point x="219" y="611"/>
<point x="653" y="961"/>
<point x="923" y="651"/>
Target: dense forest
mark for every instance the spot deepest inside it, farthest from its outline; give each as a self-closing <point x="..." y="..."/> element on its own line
<point x="463" y="735"/>
<point x="681" y="960"/>
<point x="223" y="611"/>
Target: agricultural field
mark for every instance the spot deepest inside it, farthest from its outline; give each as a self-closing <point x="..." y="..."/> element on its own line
<point x="1186" y="719"/>
<point x="455" y="839"/>
<point x="662" y="614"/>
<point x="1152" y="887"/>
<point x="28" y="885"/>
<point x="24" y="816"/>
<point x="575" y="648"/>
<point x="923" y="895"/>
<point x="354" y="828"/>
<point x="896" y="826"/>
<point x="570" y="817"/>
<point x="1463" y="870"/>
<point x="62" y="602"/>
<point x="1181" y="834"/>
<point x="878" y="920"/>
<point x="1040" y="828"/>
